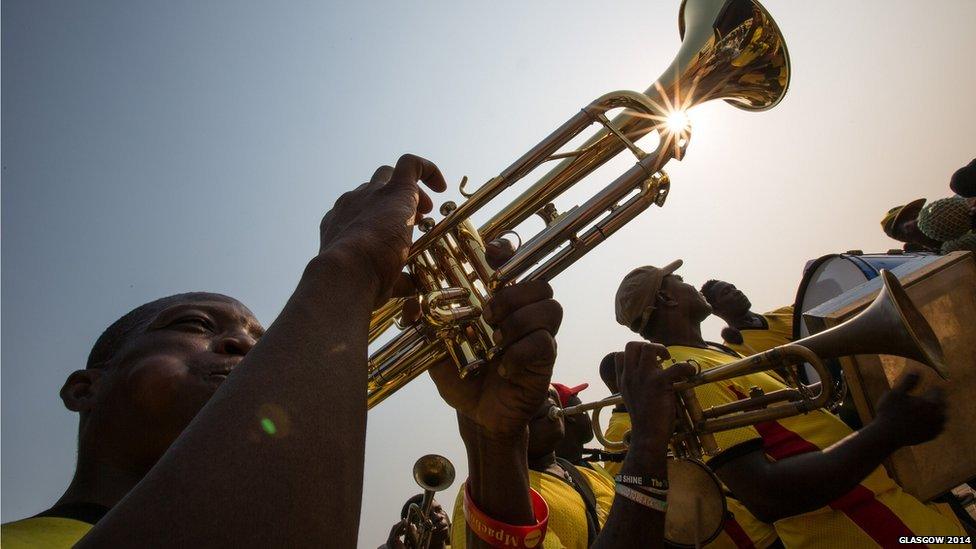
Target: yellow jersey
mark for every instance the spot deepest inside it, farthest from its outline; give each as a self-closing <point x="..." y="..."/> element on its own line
<point x="46" y="532"/>
<point x="875" y="513"/>
<point x="618" y="427"/>
<point x="778" y="331"/>
<point x="567" y="512"/>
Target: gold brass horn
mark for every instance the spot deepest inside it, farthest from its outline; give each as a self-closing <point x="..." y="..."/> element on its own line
<point x="433" y="473"/>
<point x="731" y="50"/>
<point x="891" y="325"/>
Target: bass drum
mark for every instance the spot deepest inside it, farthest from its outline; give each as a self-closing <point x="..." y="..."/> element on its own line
<point x="826" y="278"/>
<point x="696" y="504"/>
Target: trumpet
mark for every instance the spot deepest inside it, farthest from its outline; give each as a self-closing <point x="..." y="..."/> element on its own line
<point x="890" y="325"/>
<point x="731" y="50"/>
<point x="433" y="473"/>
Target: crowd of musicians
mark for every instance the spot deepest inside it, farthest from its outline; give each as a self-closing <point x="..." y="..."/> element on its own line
<point x="199" y="427"/>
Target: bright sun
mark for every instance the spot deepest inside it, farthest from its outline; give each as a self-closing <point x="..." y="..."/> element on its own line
<point x="677" y="121"/>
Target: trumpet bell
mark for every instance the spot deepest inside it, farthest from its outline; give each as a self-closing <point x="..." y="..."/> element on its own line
<point x="433" y="473"/>
<point x="920" y="342"/>
<point x="890" y="325"/>
<point x="731" y="50"/>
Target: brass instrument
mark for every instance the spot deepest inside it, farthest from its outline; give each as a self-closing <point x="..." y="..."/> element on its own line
<point x="891" y="325"/>
<point x="433" y="473"/>
<point x="731" y="50"/>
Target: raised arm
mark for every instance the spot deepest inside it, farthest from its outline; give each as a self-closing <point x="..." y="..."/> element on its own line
<point x="276" y="457"/>
<point x="772" y="490"/>
<point x="494" y="409"/>
<point x="649" y="395"/>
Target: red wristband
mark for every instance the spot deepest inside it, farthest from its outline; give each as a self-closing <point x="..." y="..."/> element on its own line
<point x="500" y="534"/>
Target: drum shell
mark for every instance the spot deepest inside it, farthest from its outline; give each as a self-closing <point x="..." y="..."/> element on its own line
<point x="691" y="480"/>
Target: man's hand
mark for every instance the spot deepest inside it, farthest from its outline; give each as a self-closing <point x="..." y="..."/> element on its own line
<point x="911" y="420"/>
<point x="372" y="224"/>
<point x="503" y="396"/>
<point x="648" y="390"/>
<point x="403" y="532"/>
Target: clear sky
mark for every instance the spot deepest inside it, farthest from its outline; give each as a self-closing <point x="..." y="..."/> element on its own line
<point x="151" y="148"/>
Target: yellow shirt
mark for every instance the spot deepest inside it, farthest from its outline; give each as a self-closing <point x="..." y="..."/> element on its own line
<point x="46" y="532"/>
<point x="618" y="427"/>
<point x="873" y="514"/>
<point x="567" y="512"/>
<point x="778" y="331"/>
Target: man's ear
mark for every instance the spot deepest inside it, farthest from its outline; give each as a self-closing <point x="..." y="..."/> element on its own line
<point x="664" y="298"/>
<point x="80" y="390"/>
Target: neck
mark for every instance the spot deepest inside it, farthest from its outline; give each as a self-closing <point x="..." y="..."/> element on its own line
<point x="742" y="321"/>
<point x="542" y="463"/>
<point x="680" y="332"/>
<point x="100" y="482"/>
<point x="573" y="455"/>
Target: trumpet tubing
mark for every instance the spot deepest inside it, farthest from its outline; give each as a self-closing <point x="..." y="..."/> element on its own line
<point x="731" y="50"/>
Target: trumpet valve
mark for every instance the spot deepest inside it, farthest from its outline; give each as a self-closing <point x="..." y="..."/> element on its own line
<point x="426" y="224"/>
<point x="448" y="208"/>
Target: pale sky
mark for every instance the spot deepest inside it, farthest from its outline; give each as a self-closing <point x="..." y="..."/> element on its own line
<point x="156" y="148"/>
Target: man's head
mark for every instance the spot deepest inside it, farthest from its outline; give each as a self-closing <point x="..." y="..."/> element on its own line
<point x="650" y="297"/>
<point x="901" y="224"/>
<point x="577" y="427"/>
<point x="963" y="182"/>
<point x="153" y="369"/>
<point x="726" y="300"/>
<point x="608" y="372"/>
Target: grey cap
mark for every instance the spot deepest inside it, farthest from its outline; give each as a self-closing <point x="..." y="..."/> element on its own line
<point x="638" y="292"/>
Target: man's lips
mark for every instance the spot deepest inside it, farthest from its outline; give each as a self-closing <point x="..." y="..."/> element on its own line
<point x="224" y="370"/>
<point x="544" y="412"/>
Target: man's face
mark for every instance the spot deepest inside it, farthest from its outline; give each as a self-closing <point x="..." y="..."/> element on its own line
<point x="727" y="300"/>
<point x="689" y="299"/>
<point x="908" y="231"/>
<point x="545" y="433"/>
<point x="167" y="371"/>
<point x="578" y="431"/>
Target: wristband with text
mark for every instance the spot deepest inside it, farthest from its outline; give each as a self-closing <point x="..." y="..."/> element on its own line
<point x="641" y="498"/>
<point x="642" y="480"/>
<point x="500" y="534"/>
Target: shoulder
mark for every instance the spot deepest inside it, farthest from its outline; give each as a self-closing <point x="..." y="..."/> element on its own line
<point x="51" y="532"/>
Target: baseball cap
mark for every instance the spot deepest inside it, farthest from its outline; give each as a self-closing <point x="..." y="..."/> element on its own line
<point x="566" y="393"/>
<point x="637" y="293"/>
<point x="897" y="215"/>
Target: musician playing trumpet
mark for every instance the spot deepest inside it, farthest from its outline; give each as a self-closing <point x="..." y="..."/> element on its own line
<point x="810" y="475"/>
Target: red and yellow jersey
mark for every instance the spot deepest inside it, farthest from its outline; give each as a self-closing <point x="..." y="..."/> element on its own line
<point x="875" y="513"/>
<point x="48" y="532"/>
<point x="567" y="512"/>
<point x="778" y="331"/>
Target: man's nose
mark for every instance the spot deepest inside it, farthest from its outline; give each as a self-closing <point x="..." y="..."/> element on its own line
<point x="235" y="342"/>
